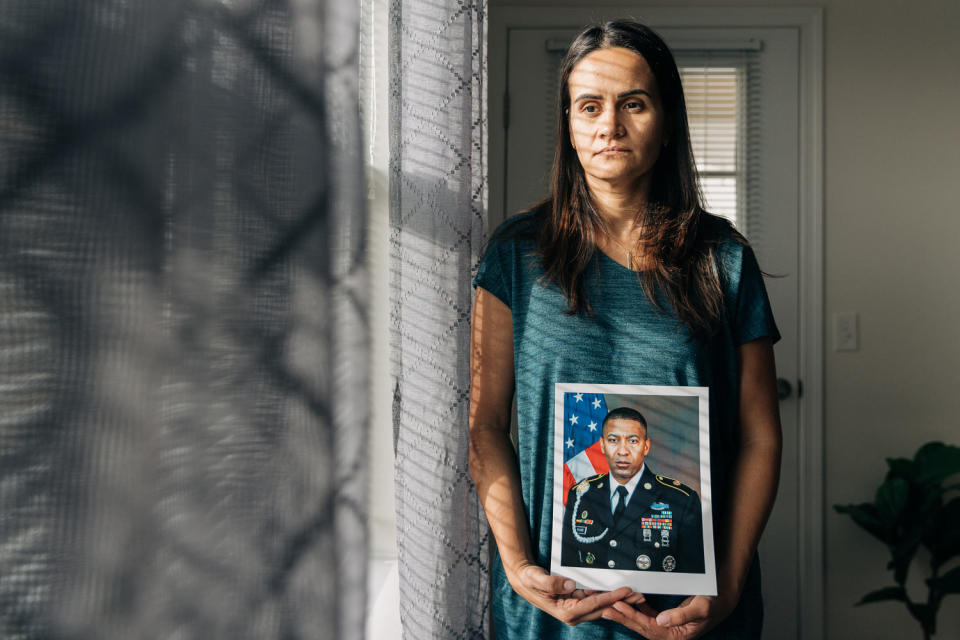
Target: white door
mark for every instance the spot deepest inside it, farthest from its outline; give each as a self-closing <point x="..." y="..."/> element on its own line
<point x="771" y="224"/>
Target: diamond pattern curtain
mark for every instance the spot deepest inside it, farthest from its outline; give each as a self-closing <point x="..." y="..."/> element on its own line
<point x="182" y="320"/>
<point x="438" y="217"/>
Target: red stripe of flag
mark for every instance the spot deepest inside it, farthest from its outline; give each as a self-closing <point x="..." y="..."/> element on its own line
<point x="597" y="458"/>
<point x="568" y="481"/>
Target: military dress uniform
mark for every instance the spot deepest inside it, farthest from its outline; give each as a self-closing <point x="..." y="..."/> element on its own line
<point x="659" y="530"/>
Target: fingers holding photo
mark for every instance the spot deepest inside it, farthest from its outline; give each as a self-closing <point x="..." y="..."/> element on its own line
<point x="693" y="618"/>
<point x="559" y="597"/>
<point x="591" y="607"/>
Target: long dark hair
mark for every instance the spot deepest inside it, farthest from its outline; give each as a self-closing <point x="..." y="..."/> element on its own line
<point x="679" y="237"/>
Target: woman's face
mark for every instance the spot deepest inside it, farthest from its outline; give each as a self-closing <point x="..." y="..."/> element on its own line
<point x="616" y="119"/>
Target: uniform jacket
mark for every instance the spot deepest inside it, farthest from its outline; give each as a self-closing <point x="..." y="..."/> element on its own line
<point x="660" y="530"/>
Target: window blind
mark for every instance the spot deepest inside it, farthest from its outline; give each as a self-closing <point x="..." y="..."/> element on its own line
<point x="720" y="90"/>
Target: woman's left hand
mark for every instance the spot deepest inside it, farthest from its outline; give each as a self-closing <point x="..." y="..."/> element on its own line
<point x="695" y="616"/>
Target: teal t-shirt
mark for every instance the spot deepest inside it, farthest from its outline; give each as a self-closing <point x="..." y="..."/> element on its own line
<point x="626" y="341"/>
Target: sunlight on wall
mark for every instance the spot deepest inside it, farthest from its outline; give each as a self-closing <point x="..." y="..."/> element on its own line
<point x="383" y="615"/>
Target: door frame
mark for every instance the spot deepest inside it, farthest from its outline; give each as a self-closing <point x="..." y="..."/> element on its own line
<point x="809" y="23"/>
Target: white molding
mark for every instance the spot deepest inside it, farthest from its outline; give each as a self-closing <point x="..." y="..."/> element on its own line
<point x="811" y="516"/>
<point x="809" y="22"/>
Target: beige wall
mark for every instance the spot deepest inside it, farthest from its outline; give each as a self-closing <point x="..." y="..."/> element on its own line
<point x="892" y="238"/>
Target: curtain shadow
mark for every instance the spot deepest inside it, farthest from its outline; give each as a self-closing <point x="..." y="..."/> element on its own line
<point x="183" y="335"/>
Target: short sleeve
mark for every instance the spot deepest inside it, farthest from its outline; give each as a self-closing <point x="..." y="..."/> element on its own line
<point x="500" y="268"/>
<point x="493" y="270"/>
<point x="752" y="315"/>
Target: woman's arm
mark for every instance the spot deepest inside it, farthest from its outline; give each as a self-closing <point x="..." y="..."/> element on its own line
<point x="756" y="474"/>
<point x="493" y="466"/>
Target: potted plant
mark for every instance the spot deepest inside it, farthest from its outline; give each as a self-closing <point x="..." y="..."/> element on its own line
<point x="912" y="509"/>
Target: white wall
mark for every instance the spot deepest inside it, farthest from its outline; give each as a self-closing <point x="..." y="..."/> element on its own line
<point x="892" y="208"/>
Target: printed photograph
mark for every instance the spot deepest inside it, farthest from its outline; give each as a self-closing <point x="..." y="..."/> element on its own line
<point x="632" y="488"/>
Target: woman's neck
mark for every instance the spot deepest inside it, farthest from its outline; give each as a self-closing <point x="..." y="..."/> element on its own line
<point x="621" y="225"/>
<point x="619" y="207"/>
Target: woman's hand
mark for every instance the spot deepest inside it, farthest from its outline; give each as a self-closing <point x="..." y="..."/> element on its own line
<point x="695" y="616"/>
<point x="559" y="596"/>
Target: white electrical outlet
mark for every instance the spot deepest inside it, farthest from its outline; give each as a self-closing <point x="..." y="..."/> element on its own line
<point x="845" y="332"/>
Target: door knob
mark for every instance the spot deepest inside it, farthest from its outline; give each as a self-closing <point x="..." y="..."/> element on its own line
<point x="784" y="388"/>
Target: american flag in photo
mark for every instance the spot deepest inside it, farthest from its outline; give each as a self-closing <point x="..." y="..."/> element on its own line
<point x="583" y="415"/>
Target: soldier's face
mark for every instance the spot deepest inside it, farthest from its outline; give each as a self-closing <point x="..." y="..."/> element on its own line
<point x="625" y="445"/>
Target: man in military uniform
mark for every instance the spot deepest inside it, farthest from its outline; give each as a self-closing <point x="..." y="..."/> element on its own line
<point x="632" y="518"/>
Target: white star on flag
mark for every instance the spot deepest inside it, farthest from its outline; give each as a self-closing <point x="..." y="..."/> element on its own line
<point x="582" y="420"/>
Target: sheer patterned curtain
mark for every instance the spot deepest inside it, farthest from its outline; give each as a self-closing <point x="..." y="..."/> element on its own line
<point x="438" y="217"/>
<point x="182" y="320"/>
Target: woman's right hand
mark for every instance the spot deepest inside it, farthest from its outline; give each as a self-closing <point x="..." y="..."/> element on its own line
<point x="559" y="597"/>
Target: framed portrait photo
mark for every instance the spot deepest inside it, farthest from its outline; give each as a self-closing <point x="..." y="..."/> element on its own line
<point x="631" y="488"/>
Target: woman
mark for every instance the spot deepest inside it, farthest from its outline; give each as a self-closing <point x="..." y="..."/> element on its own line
<point x="620" y="277"/>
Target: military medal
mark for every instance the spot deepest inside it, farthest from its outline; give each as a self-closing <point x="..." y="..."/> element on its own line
<point x="582" y="520"/>
<point x="669" y="563"/>
<point x="590" y="558"/>
<point x="643" y="562"/>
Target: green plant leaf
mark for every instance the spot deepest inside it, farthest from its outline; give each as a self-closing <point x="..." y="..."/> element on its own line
<point x="907" y="543"/>
<point x="948" y="582"/>
<point x="945" y="539"/>
<point x="901" y="467"/>
<point x="867" y="516"/>
<point x="903" y="550"/>
<point x="892" y="498"/>
<point x="901" y="566"/>
<point x="924" y="614"/>
<point x="928" y="496"/>
<point x="887" y="593"/>
<point x="936" y="461"/>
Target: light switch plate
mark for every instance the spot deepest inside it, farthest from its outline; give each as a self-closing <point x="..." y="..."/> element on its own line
<point x="845" y="331"/>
